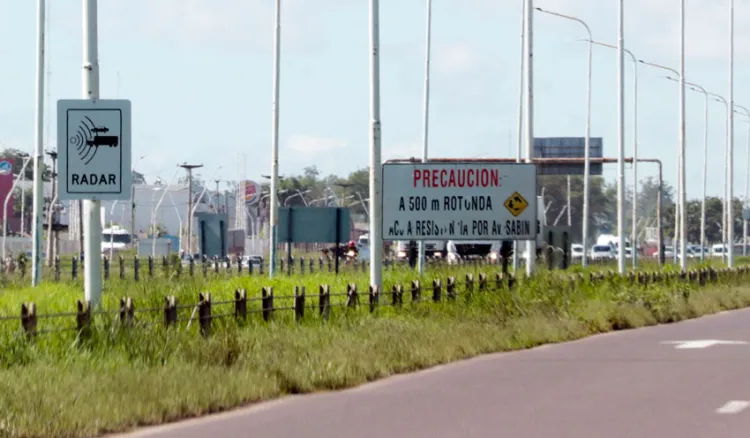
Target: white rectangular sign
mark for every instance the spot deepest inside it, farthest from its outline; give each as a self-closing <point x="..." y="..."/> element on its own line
<point x="459" y="201"/>
<point x="94" y="149"/>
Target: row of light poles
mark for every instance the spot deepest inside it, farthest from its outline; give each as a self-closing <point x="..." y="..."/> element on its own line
<point x="680" y="212"/>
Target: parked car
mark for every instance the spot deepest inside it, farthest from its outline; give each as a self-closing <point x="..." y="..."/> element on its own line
<point x="576" y="250"/>
<point x="602" y="252"/>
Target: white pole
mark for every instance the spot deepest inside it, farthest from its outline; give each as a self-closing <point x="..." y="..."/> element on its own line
<point x="634" y="226"/>
<point x="587" y="144"/>
<point x="520" y="135"/>
<point x="38" y="192"/>
<point x="683" y="173"/>
<point x="426" y="114"/>
<point x="705" y="176"/>
<point x="529" y="109"/>
<point x="621" y="141"/>
<point x="723" y="202"/>
<point x="730" y="151"/>
<point x="92" y="224"/>
<point x="376" y="165"/>
<point x="275" y="140"/>
<point x="5" y="206"/>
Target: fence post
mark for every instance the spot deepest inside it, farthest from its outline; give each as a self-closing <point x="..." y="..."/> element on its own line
<point x="136" y="268"/>
<point x="83" y="318"/>
<point x="122" y="268"/>
<point x="450" y="288"/>
<point x="239" y="266"/>
<point x="301" y="265"/>
<point x="396" y="292"/>
<point x="469" y="284"/>
<point x="204" y="313"/>
<point x="312" y="265"/>
<point x="150" y="266"/>
<point x="170" y="311"/>
<point x="299" y="303"/>
<point x="240" y="304"/>
<point x="57" y="268"/>
<point x="352" y="298"/>
<point x="28" y="319"/>
<point x="216" y="265"/>
<point x="127" y="311"/>
<point x="322" y="307"/>
<point x="374" y="298"/>
<point x="482" y="281"/>
<point x="106" y="268"/>
<point x="436" y="290"/>
<point x="498" y="281"/>
<point x="250" y="267"/>
<point x="267" y="303"/>
<point x="416" y="291"/>
<point x="74" y="268"/>
<point x="22" y="267"/>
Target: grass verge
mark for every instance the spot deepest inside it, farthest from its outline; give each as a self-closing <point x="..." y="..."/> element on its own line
<point x="60" y="386"/>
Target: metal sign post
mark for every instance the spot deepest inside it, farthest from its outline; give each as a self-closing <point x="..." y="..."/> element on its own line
<point x="94" y="153"/>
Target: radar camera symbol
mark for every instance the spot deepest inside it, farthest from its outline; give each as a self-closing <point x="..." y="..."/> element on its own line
<point x="87" y="139"/>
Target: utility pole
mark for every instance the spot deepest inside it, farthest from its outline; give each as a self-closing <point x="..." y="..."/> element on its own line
<point x="51" y="209"/>
<point x="189" y="168"/>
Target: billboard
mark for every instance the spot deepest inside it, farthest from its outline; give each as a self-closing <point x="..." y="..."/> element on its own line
<point x="251" y="190"/>
<point x="567" y="147"/>
<point x="6" y="184"/>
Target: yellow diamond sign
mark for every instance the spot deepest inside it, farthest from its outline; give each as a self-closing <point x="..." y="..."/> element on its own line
<point x="516" y="204"/>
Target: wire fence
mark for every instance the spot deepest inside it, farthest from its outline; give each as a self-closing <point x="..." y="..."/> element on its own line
<point x="321" y="303"/>
<point x="136" y="268"/>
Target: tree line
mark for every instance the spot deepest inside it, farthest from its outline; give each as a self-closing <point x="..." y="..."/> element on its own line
<point x="318" y="190"/>
<point x="311" y="188"/>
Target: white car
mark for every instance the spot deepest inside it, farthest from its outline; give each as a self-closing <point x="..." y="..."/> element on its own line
<point x="576" y="250"/>
<point x="602" y="252"/>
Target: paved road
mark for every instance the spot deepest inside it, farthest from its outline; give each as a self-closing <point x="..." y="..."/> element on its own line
<point x="620" y="385"/>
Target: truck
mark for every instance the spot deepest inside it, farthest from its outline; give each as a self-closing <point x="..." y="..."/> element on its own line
<point x="490" y="249"/>
<point x="116" y="239"/>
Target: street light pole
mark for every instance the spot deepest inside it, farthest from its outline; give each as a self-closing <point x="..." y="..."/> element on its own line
<point x="587" y="144"/>
<point x="730" y="151"/>
<point x="726" y="180"/>
<point x="678" y="207"/>
<point x="274" y="219"/>
<point x="520" y="135"/>
<point x="621" y="139"/>
<point x="426" y="117"/>
<point x="634" y="220"/>
<point x="683" y="180"/>
<point x="696" y="87"/>
<point x="529" y="110"/>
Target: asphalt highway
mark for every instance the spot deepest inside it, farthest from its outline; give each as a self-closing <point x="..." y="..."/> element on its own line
<point x="636" y="383"/>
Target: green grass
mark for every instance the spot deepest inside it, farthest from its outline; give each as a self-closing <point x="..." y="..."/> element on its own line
<point x="61" y="385"/>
